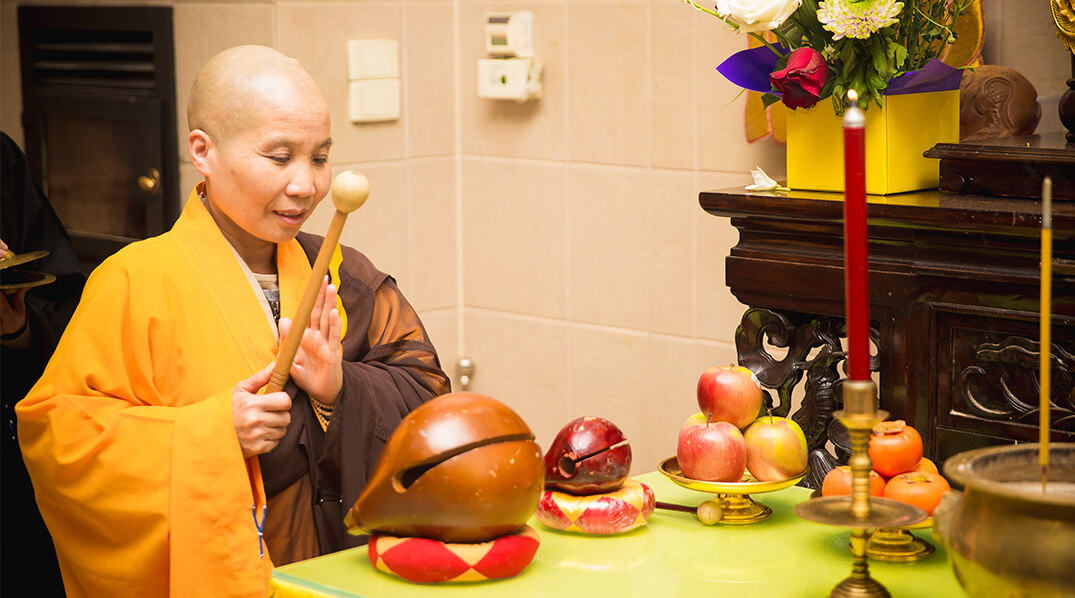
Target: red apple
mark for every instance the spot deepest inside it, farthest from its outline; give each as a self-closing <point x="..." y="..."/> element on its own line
<point x="776" y="448"/>
<point x="590" y="455"/>
<point x="711" y="451"/>
<point x="729" y="394"/>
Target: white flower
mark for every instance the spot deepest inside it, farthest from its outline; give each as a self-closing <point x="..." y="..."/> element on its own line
<point x="763" y="182"/>
<point x="860" y="20"/>
<point x="757" y="15"/>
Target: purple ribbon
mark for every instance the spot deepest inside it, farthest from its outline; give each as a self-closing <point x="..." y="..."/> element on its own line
<point x="750" y="69"/>
<point x="935" y="76"/>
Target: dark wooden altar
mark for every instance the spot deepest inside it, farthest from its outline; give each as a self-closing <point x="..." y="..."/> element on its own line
<point x="954" y="294"/>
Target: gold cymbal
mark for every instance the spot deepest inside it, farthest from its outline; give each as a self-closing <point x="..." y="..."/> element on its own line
<point x="9" y="258"/>
<point x="13" y="280"/>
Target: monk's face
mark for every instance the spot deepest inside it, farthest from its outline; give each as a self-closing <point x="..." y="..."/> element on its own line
<point x="269" y="174"/>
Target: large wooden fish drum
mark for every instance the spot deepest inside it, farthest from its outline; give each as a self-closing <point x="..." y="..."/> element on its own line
<point x="461" y="468"/>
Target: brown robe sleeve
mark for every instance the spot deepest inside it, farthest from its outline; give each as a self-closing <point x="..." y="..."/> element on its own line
<point x="390" y="367"/>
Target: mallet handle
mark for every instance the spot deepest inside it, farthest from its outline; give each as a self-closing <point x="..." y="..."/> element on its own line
<point x="282" y="371"/>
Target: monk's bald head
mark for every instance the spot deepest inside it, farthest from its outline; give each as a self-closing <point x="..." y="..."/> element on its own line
<point x="236" y="85"/>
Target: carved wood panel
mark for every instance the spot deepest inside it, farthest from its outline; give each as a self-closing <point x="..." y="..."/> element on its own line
<point x="988" y="375"/>
<point x="954" y="284"/>
<point x="782" y="348"/>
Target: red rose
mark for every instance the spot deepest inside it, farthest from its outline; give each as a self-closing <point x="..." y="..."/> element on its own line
<point x="802" y="79"/>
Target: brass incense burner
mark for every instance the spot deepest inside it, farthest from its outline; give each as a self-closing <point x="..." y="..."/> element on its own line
<point x="1005" y="537"/>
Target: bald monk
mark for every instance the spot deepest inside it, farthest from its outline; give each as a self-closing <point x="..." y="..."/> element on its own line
<point x="155" y="459"/>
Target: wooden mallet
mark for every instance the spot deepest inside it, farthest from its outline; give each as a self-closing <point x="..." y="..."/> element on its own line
<point x="349" y="191"/>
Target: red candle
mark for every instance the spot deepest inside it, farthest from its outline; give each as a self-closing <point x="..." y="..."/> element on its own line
<point x="856" y="269"/>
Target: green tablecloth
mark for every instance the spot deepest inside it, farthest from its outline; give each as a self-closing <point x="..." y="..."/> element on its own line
<point x="674" y="555"/>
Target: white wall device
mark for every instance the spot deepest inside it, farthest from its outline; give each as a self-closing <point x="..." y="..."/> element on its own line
<point x="513" y="73"/>
<point x="516" y="79"/>
<point x="510" y="34"/>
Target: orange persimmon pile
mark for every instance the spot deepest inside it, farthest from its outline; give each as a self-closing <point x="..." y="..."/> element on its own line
<point x="900" y="472"/>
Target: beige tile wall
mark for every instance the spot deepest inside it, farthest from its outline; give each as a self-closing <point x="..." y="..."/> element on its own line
<point x="587" y="287"/>
<point x="559" y="243"/>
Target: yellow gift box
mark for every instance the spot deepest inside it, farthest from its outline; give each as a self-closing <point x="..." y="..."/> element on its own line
<point x="896" y="136"/>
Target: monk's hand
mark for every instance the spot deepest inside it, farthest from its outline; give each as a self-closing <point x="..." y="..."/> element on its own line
<point x="318" y="365"/>
<point x="260" y="420"/>
<point x="12" y="312"/>
<point x="12" y="306"/>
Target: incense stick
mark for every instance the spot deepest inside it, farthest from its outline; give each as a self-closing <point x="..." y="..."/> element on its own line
<point x="1046" y="311"/>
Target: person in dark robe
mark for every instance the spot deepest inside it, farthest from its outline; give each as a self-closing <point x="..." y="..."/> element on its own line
<point x="32" y="320"/>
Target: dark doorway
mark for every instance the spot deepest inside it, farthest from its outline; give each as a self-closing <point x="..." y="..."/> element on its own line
<point x="98" y="89"/>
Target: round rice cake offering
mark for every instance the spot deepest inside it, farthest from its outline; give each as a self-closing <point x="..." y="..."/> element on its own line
<point x="605" y="513"/>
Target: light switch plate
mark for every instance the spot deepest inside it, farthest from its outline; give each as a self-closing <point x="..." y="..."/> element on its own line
<point x="373" y="100"/>
<point x="372" y="59"/>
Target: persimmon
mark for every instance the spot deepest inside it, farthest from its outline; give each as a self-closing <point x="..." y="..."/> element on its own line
<point x="895" y="448"/>
<point x="838" y="482"/>
<point x="921" y="489"/>
<point x="926" y="465"/>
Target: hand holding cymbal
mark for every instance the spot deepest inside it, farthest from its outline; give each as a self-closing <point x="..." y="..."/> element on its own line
<point x="349" y="191"/>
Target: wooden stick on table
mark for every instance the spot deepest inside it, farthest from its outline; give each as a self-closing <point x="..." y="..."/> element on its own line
<point x="349" y="191"/>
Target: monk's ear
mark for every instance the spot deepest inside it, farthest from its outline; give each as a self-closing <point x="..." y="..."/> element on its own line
<point x="200" y="148"/>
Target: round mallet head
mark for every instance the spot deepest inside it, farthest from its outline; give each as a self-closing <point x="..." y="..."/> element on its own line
<point x="709" y="512"/>
<point x="350" y="190"/>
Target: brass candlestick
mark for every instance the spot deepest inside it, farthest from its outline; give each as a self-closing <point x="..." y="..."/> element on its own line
<point x="898" y="545"/>
<point x="860" y="511"/>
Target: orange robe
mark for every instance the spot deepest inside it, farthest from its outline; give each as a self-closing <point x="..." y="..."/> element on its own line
<point x="128" y="436"/>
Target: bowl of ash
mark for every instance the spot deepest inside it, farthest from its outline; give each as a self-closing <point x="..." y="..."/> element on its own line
<point x="1008" y="532"/>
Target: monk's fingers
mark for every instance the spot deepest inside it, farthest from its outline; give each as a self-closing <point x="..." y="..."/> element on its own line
<point x="319" y="306"/>
<point x="327" y="309"/>
<point x="275" y="403"/>
<point x="276" y="420"/>
<point x="264" y="444"/>
<point x="273" y="432"/>
<point x="285" y="328"/>
<point x="310" y="343"/>
<point x="258" y="379"/>
<point x="335" y="328"/>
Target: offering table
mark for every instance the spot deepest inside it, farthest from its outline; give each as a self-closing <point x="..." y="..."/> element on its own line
<point x="954" y="298"/>
<point x="673" y="555"/>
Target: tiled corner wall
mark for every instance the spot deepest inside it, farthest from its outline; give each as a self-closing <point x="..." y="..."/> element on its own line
<point x="558" y="244"/>
<point x="592" y="281"/>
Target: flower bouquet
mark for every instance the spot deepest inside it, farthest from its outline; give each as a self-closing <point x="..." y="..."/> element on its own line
<point x="826" y="47"/>
<point x="886" y="50"/>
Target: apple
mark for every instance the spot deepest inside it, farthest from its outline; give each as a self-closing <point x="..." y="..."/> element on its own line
<point x="590" y="455"/>
<point x="711" y="451"/>
<point x="729" y="394"/>
<point x="776" y="448"/>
